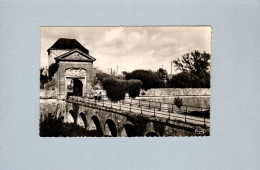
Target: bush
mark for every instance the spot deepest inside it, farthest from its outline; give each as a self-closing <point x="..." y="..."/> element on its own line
<point x="115" y="88"/>
<point x="101" y="76"/>
<point x="55" y="127"/>
<point x="178" y="102"/>
<point x="50" y="126"/>
<point x="53" y="68"/>
<point x="180" y="80"/>
<point x="185" y="80"/>
<point x="134" y="87"/>
<point x="202" y="114"/>
<point x="149" y="78"/>
<point x="43" y="78"/>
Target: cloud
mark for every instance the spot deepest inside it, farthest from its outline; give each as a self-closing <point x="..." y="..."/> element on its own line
<point x="131" y="48"/>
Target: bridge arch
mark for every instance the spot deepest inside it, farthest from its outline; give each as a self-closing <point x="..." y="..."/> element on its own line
<point x="71" y="116"/>
<point x="82" y="121"/>
<point x="95" y="124"/>
<point x="128" y="131"/>
<point x="152" y="134"/>
<point x="110" y="128"/>
<point x="58" y="113"/>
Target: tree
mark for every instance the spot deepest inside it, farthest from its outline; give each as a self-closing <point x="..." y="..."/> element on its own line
<point x="149" y="78"/>
<point x="53" y="68"/>
<point x="205" y="82"/>
<point x="43" y="77"/>
<point x="180" y="80"/>
<point x="196" y="64"/>
<point x="101" y="76"/>
<point x="115" y="88"/>
<point x="134" y="87"/>
<point x="163" y="75"/>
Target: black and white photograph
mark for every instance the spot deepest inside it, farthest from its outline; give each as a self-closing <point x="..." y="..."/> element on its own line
<point x="131" y="85"/>
<point x="125" y="81"/>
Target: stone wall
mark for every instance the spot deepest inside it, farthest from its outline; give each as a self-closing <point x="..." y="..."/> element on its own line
<point x="177" y="91"/>
<point x="53" y="106"/>
<point x="196" y="101"/>
<point x="47" y="94"/>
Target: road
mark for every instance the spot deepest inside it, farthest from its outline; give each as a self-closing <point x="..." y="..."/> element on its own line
<point x="127" y="105"/>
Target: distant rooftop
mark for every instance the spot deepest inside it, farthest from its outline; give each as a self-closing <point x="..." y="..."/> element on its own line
<point x="66" y="43"/>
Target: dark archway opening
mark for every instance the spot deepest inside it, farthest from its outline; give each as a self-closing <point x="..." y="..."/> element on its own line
<point x="77" y="87"/>
<point x="112" y="127"/>
<point x="152" y="134"/>
<point x="83" y="117"/>
<point x="130" y="130"/>
<point x="73" y="115"/>
<point x="97" y="124"/>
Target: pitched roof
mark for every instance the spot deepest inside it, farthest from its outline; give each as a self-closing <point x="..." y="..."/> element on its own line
<point x="75" y="55"/>
<point x="66" y="43"/>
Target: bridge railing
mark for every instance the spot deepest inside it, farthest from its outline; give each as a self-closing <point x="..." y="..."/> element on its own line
<point x="156" y="109"/>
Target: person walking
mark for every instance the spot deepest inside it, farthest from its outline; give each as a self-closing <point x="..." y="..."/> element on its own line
<point x="99" y="96"/>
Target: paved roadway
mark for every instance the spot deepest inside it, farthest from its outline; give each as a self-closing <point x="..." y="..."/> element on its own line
<point x="149" y="111"/>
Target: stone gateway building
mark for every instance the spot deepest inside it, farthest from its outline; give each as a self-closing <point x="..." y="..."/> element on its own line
<point x="75" y="72"/>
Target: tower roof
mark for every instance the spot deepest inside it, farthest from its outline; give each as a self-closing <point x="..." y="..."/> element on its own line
<point x="66" y="43"/>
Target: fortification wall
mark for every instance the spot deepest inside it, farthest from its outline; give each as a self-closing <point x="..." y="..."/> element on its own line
<point x="178" y="91"/>
<point x="196" y="101"/>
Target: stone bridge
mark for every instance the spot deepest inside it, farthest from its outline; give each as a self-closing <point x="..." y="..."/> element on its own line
<point x="113" y="122"/>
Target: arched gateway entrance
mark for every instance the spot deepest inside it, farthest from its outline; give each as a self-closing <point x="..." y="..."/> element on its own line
<point x="75" y="74"/>
<point x="77" y="87"/>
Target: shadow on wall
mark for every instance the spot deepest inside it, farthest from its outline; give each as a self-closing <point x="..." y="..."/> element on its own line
<point x="110" y="128"/>
<point x="95" y="124"/>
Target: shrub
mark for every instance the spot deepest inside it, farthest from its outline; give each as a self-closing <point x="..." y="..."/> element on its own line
<point x="50" y="126"/>
<point x="53" y="68"/>
<point x="134" y="87"/>
<point x="101" y="76"/>
<point x="43" y="78"/>
<point x="178" y="102"/>
<point x="140" y="122"/>
<point x="202" y="114"/>
<point x="149" y="78"/>
<point x="180" y="80"/>
<point x="55" y="127"/>
<point x="115" y="88"/>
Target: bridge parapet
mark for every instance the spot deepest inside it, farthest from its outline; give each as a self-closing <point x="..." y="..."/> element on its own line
<point x="156" y="109"/>
<point x="114" y="119"/>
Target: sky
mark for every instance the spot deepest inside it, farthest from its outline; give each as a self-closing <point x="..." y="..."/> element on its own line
<point x="131" y="48"/>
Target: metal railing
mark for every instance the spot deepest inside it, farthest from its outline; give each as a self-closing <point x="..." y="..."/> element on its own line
<point x="153" y="108"/>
